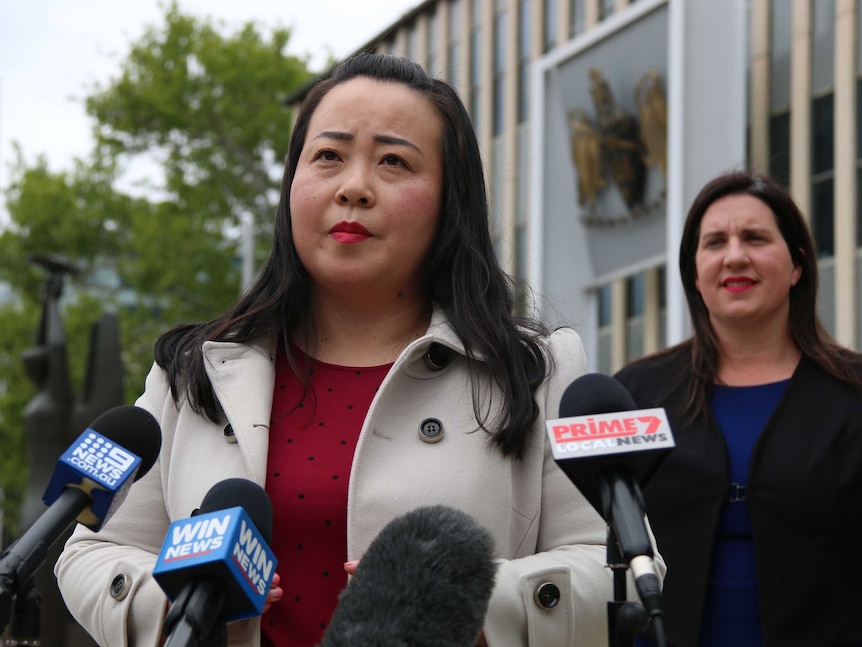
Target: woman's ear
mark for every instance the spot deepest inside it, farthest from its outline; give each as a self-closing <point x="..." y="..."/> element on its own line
<point x="796" y="274"/>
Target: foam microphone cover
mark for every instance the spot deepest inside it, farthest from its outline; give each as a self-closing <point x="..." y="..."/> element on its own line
<point x="225" y="541"/>
<point x="594" y="394"/>
<point x="134" y="429"/>
<point x="117" y="448"/>
<point x="247" y="494"/>
<point x="425" y="581"/>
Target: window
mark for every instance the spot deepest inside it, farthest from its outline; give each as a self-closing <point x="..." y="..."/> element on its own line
<point x="859" y="162"/>
<point x="604" y="298"/>
<point x="606" y="8"/>
<point x="635" y="288"/>
<point x="433" y="64"/>
<point x="576" y="13"/>
<point x="499" y="85"/>
<point x="822" y="175"/>
<point x="779" y="147"/>
<point x="412" y="48"/>
<point x="521" y="202"/>
<point x="454" y="38"/>
<point x="476" y="64"/>
<point x="550" y="25"/>
<point x="524" y="26"/>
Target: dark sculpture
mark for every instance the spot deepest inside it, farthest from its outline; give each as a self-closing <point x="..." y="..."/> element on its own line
<point x="52" y="420"/>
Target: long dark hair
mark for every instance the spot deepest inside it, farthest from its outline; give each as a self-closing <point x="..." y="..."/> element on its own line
<point x="462" y="276"/>
<point x="806" y="329"/>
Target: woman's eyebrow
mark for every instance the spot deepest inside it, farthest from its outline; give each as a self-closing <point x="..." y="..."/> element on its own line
<point x="333" y="134"/>
<point x="386" y="139"/>
<point x="381" y="139"/>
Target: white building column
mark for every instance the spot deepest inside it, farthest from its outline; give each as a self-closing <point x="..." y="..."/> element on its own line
<point x="707" y="99"/>
<point x="845" y="172"/>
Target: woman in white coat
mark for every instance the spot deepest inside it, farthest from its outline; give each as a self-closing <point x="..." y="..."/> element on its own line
<point x="377" y="365"/>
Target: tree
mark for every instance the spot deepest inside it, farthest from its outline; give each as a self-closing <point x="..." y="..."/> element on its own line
<point x="206" y="107"/>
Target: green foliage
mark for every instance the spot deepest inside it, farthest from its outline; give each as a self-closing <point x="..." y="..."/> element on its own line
<point x="212" y="107"/>
<point x="205" y="109"/>
<point x="19" y="322"/>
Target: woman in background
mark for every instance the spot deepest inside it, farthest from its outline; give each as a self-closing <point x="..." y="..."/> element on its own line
<point x="758" y="509"/>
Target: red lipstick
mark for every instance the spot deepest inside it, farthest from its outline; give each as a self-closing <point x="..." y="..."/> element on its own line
<point x="349" y="232"/>
<point x="738" y="283"/>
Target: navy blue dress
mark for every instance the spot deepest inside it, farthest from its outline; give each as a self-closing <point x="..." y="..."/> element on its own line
<point x="732" y="614"/>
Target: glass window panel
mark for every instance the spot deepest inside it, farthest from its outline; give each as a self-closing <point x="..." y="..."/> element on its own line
<point x="635" y="287"/>
<point x="604" y="296"/>
<point x="496" y="180"/>
<point x="499" y="104"/>
<point x="859" y="116"/>
<point x="475" y="57"/>
<point x="822" y="217"/>
<point x="576" y="11"/>
<point x="822" y="133"/>
<point x="823" y="45"/>
<point x="454" y="65"/>
<point x="606" y="8"/>
<point x="522" y="182"/>
<point x="779" y="145"/>
<point x="454" y="19"/>
<point x="859" y="208"/>
<point x="521" y="253"/>
<point x="524" y="26"/>
<point x="475" y="110"/>
<point x="604" y="352"/>
<point x="525" y="11"/>
<point x="550" y="25"/>
<point x="523" y="91"/>
<point x="780" y="38"/>
<point x="499" y="72"/>
<point x="500" y="42"/>
<point x="662" y="287"/>
<point x="411" y="42"/>
<point x="635" y="339"/>
<point x="432" y="36"/>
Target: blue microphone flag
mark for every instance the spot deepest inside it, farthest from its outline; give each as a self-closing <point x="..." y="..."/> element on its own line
<point x="101" y="468"/>
<point x="223" y="545"/>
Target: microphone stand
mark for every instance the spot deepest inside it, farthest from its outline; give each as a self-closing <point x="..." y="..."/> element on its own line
<point x="194" y="619"/>
<point x="625" y="619"/>
<point x="26" y="625"/>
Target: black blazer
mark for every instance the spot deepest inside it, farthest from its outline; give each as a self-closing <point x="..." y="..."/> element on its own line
<point x="804" y="493"/>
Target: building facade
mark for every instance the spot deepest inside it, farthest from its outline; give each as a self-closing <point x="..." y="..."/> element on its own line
<point x="600" y="119"/>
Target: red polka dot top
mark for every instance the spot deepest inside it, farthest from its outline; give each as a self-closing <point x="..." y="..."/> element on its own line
<point x="312" y="439"/>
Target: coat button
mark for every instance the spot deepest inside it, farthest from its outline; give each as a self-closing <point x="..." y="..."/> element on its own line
<point x="228" y="434"/>
<point x="120" y="586"/>
<point x="431" y="430"/>
<point x="437" y="357"/>
<point x="547" y="595"/>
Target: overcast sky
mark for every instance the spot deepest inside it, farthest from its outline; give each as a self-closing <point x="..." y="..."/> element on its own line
<point x="53" y="51"/>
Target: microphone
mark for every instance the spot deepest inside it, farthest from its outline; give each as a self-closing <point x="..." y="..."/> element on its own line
<point x="425" y="581"/>
<point x="608" y="448"/>
<point x="217" y="566"/>
<point x="90" y="481"/>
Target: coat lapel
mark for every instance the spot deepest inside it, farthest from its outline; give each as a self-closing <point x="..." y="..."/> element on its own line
<point x="242" y="377"/>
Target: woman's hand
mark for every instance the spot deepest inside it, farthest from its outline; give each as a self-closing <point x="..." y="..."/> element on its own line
<point x="275" y="593"/>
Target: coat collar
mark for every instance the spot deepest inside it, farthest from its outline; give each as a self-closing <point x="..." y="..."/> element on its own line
<point x="242" y="377"/>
